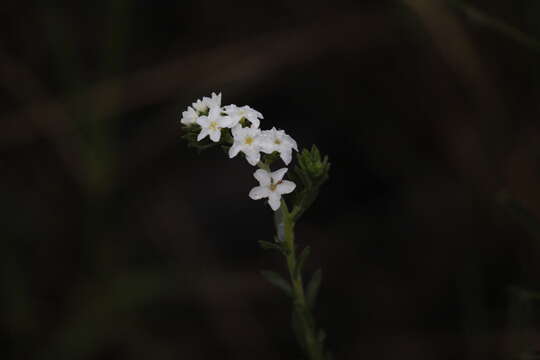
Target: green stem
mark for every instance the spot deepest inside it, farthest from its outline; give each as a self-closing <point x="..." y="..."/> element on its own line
<point x="312" y="346"/>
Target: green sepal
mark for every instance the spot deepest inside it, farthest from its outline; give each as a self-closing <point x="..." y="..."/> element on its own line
<point x="276" y="280"/>
<point x="312" y="289"/>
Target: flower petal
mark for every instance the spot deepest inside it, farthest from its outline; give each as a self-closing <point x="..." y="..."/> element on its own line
<point x="214" y="113"/>
<point x="285" y="187"/>
<point x="215" y="135"/>
<point x="234" y="150"/>
<point x="263" y="177"/>
<point x="277" y="175"/>
<point x="252" y="156"/>
<point x="274" y="200"/>
<point x="203" y="121"/>
<point x="286" y="155"/>
<point x="236" y="131"/>
<point x="202" y="134"/>
<point x="259" y="192"/>
<point x="226" y="121"/>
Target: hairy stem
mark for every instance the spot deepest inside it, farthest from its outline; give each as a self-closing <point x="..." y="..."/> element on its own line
<point x="306" y="324"/>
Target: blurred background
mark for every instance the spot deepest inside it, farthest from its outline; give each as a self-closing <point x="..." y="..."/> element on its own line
<point x="119" y="242"/>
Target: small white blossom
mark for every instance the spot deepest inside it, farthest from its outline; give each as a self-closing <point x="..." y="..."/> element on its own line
<point x="189" y="116"/>
<point x="246" y="140"/>
<point x="271" y="186"/>
<point x="204" y="105"/>
<point x="237" y="113"/>
<point x="277" y="140"/>
<point x="212" y="124"/>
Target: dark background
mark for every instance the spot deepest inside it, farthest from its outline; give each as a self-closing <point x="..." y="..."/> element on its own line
<point x="119" y="242"/>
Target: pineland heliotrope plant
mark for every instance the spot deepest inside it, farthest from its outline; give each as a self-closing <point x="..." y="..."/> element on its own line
<point x="207" y="123"/>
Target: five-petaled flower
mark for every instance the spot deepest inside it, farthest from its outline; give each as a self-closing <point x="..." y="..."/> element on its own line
<point x="204" y="105"/>
<point x="246" y="140"/>
<point x="212" y="124"/>
<point x="238" y="113"/>
<point x="271" y="186"/>
<point x="277" y="140"/>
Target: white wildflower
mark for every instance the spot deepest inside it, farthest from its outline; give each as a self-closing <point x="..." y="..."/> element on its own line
<point x="271" y="186"/>
<point x="189" y="116"/>
<point x="237" y="113"/>
<point x="246" y="140"/>
<point x="212" y="124"/>
<point x="277" y="140"/>
<point x="204" y="105"/>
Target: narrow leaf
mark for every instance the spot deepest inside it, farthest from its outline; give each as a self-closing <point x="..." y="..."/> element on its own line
<point x="313" y="288"/>
<point x="276" y="280"/>
<point x="267" y="245"/>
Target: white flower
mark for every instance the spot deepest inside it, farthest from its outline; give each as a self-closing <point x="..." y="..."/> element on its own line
<point x="277" y="140"/>
<point x="204" y="105"/>
<point x="246" y="140"/>
<point x="237" y="113"/>
<point x="189" y="116"/>
<point x="272" y="186"/>
<point x="212" y="124"/>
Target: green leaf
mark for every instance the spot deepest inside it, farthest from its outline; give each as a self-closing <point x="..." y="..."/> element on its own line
<point x="276" y="280"/>
<point x="267" y="245"/>
<point x="301" y="260"/>
<point x="313" y="288"/>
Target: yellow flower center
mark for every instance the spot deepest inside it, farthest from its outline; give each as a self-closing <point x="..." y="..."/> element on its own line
<point x="213" y="125"/>
<point x="277" y="141"/>
<point x="249" y="140"/>
<point x="273" y="186"/>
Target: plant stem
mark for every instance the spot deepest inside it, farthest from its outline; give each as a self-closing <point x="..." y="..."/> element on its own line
<point x="301" y="312"/>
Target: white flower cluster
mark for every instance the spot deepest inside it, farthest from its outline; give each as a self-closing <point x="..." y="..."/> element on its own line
<point x="212" y="117"/>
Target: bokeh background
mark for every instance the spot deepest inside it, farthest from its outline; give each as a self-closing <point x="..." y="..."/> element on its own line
<point x="119" y="242"/>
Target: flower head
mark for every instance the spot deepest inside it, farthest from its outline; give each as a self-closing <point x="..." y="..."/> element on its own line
<point x="212" y="124"/>
<point x="271" y="186"/>
<point x="238" y="113"/>
<point x="189" y="116"/>
<point x="204" y="105"/>
<point x="277" y="140"/>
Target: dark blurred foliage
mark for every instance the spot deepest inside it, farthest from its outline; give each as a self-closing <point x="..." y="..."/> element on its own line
<point x="119" y="242"/>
